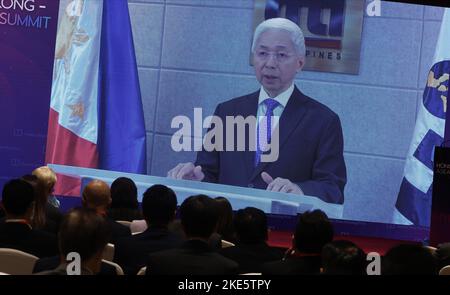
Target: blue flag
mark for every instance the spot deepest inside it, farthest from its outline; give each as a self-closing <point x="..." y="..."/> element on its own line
<point x="121" y="139"/>
<point x="414" y="198"/>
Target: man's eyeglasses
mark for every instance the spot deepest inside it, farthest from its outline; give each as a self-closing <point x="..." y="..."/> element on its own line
<point x="279" y="56"/>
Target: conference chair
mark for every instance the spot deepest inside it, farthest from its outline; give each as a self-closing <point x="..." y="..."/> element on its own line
<point x="445" y="271"/>
<point x="124" y="222"/>
<point x="226" y="244"/>
<point x="119" y="270"/>
<point x="16" y="262"/>
<point x="431" y="249"/>
<point x="108" y="253"/>
<point x="138" y="225"/>
<point x="141" y="272"/>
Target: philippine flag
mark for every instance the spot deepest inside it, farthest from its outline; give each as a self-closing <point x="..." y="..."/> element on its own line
<point x="414" y="198"/>
<point x="96" y="118"/>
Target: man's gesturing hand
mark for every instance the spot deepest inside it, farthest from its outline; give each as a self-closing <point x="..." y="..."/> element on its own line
<point x="186" y="171"/>
<point x="281" y="185"/>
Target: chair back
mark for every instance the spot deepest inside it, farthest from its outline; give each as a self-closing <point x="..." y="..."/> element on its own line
<point x="108" y="253"/>
<point x="445" y="271"/>
<point x="138" y="225"/>
<point x="119" y="270"/>
<point x="431" y="249"/>
<point x="124" y="222"/>
<point x="226" y="244"/>
<point x="16" y="262"/>
<point x="141" y="272"/>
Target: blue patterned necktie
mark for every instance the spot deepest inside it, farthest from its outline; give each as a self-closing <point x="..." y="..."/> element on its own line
<point x="264" y="130"/>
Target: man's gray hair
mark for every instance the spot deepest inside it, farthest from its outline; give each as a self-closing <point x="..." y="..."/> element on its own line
<point x="282" y="24"/>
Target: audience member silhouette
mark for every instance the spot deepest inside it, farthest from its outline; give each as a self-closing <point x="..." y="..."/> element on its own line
<point x="343" y="258"/>
<point x="17" y="232"/>
<point x="96" y="195"/>
<point x="159" y="206"/>
<point x="409" y="260"/>
<point x="251" y="249"/>
<point x="124" y="205"/>
<point x="313" y="231"/>
<point x="86" y="234"/>
<point x="195" y="257"/>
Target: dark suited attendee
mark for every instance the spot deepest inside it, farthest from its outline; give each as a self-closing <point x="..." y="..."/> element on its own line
<point x="96" y="195"/>
<point x="343" y="258"/>
<point x="16" y="232"/>
<point x="313" y="231"/>
<point x="85" y="232"/>
<point x="124" y="205"/>
<point x="251" y="249"/>
<point x="409" y="260"/>
<point x="225" y="228"/>
<point x="195" y="257"/>
<point x="50" y="263"/>
<point x="309" y="160"/>
<point x="159" y="206"/>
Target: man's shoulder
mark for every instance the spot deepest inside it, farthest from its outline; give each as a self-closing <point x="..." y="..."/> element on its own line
<point x="317" y="107"/>
<point x="119" y="228"/>
<point x="222" y="259"/>
<point x="244" y="99"/>
<point x="314" y="106"/>
<point x="46" y="264"/>
<point x="166" y="253"/>
<point x="168" y="256"/>
<point x="280" y="267"/>
<point x="211" y="258"/>
<point x="150" y="238"/>
<point x="44" y="235"/>
<point x="53" y="272"/>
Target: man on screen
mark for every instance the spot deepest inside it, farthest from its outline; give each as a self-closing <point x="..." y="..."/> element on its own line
<point x="310" y="157"/>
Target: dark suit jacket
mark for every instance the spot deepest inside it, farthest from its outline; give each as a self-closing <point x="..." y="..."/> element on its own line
<point x="306" y="265"/>
<point x="21" y="237"/>
<point x="126" y="214"/>
<point x="195" y="257"/>
<point x="310" y="155"/>
<point x="61" y="270"/>
<point x="48" y="264"/>
<point x="250" y="257"/>
<point x="131" y="253"/>
<point x="118" y="231"/>
<point x="53" y="219"/>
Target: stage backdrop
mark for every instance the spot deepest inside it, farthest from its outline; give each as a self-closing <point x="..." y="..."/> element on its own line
<point x="27" y="47"/>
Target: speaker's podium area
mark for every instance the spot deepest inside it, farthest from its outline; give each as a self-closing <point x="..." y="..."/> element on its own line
<point x="239" y="197"/>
